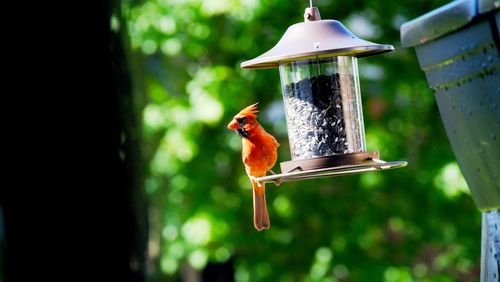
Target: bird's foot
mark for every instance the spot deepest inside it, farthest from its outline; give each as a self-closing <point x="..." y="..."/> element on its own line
<point x="254" y="179"/>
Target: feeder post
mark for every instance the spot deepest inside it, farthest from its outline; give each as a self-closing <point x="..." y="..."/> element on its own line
<point x="490" y="246"/>
<point x="458" y="48"/>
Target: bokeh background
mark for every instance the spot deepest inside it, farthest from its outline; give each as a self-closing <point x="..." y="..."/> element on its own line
<point x="417" y="223"/>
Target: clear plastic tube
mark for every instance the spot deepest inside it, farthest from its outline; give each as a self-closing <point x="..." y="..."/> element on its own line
<point x="323" y="107"/>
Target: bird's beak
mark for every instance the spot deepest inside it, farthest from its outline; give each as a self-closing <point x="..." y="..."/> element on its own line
<point x="233" y="125"/>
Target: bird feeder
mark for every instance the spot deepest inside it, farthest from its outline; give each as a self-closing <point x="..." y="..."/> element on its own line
<point x="317" y="61"/>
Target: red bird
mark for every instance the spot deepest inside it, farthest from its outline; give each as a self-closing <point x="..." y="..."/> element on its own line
<point x="259" y="155"/>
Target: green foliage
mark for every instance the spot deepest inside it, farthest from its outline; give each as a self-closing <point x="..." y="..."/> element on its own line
<point x="418" y="223"/>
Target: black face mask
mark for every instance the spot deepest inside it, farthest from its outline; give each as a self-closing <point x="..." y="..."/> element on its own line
<point x="242" y="132"/>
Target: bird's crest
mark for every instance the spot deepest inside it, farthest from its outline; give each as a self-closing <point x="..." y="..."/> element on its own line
<point x="250" y="111"/>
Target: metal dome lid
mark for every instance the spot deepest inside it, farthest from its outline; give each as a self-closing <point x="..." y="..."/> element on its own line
<point x="315" y="38"/>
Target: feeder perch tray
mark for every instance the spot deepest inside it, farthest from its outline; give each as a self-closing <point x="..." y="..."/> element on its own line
<point x="330" y="166"/>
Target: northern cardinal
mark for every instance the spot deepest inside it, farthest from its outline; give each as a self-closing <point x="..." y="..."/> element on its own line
<point x="259" y="155"/>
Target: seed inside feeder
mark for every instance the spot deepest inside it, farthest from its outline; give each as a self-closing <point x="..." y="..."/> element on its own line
<point x="323" y="107"/>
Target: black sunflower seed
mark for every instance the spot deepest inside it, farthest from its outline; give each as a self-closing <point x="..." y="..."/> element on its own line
<point x="315" y="117"/>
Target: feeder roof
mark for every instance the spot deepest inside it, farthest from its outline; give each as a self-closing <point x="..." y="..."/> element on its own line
<point x="315" y="39"/>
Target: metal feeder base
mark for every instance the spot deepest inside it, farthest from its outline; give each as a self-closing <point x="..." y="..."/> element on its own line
<point x="329" y="166"/>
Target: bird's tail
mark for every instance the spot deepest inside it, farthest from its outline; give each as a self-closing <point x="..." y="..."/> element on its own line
<point x="260" y="215"/>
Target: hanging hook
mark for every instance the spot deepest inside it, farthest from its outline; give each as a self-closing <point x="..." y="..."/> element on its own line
<point x="311" y="13"/>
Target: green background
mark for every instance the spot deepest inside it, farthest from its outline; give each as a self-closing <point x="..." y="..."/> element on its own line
<point x="416" y="223"/>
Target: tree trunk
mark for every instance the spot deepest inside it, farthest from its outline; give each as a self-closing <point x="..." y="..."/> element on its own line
<point x="73" y="204"/>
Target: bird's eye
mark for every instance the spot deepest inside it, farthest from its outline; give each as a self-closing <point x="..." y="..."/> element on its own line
<point x="241" y="120"/>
